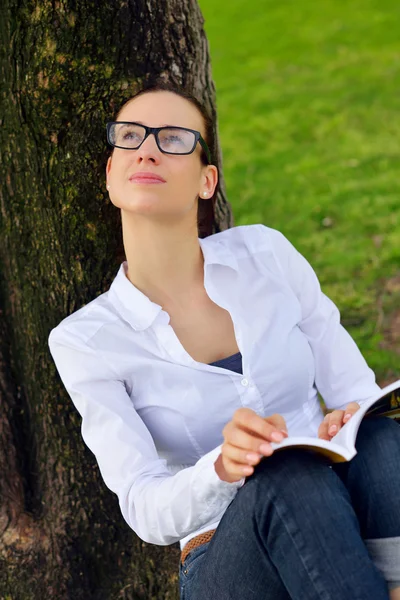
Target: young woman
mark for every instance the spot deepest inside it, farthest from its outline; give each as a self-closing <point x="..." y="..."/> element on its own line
<point x="203" y="351"/>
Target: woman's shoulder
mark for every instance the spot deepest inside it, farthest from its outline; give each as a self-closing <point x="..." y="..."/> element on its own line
<point x="84" y="322"/>
<point x="253" y="237"/>
<point x="273" y="247"/>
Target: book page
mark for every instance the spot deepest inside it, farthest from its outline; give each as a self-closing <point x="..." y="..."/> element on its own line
<point x="346" y="436"/>
<point x="336" y="452"/>
<point x="379" y="404"/>
<point x="389" y="405"/>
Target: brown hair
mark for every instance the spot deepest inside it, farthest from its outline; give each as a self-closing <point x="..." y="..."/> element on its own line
<point x="205" y="212"/>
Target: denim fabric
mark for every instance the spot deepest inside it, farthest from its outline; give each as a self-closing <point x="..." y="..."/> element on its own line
<point x="385" y="553"/>
<point x="296" y="529"/>
<point x="189" y="566"/>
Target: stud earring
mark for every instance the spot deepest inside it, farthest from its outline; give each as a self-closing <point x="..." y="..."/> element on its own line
<point x="108" y="187"/>
<point x="205" y="193"/>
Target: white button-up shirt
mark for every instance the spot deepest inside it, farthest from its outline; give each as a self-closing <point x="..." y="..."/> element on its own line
<point x="153" y="416"/>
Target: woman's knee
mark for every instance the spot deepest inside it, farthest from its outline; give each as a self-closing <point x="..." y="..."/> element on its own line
<point x="373" y="477"/>
<point x="377" y="445"/>
<point x="378" y="431"/>
<point x="294" y="477"/>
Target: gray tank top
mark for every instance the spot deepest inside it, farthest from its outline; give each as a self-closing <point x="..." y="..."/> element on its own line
<point x="233" y="362"/>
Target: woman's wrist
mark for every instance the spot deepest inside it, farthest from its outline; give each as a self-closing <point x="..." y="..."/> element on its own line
<point x="221" y="472"/>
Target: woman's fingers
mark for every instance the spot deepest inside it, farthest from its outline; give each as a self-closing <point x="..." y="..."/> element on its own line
<point x="331" y="424"/>
<point x="279" y="422"/>
<point x="334" y="421"/>
<point x="349" y="411"/>
<point x="246" y="441"/>
<point x="323" y="429"/>
<point x="247" y="420"/>
<point x="247" y="438"/>
<point x="241" y="455"/>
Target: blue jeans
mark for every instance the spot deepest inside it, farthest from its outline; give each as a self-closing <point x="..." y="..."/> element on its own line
<point x="297" y="529"/>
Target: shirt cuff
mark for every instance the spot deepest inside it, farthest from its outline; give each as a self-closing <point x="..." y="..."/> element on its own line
<point x="207" y="466"/>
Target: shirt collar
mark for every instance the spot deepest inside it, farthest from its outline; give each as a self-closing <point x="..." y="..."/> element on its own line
<point x="137" y="308"/>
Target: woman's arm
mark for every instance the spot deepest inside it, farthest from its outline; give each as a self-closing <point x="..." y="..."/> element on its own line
<point x="160" y="507"/>
<point x="342" y="374"/>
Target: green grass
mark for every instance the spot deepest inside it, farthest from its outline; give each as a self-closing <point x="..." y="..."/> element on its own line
<point x="309" y="122"/>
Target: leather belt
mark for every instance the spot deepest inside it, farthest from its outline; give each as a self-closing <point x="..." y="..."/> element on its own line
<point x="198" y="540"/>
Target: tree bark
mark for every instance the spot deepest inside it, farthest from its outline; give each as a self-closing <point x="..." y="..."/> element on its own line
<point x="65" y="67"/>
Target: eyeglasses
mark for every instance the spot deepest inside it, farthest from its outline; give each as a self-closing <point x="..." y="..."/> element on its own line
<point x="170" y="140"/>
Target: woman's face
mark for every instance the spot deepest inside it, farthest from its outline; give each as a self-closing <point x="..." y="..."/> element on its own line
<point x="185" y="175"/>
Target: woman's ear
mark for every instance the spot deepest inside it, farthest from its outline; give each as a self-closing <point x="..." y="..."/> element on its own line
<point x="210" y="179"/>
<point x="108" y="168"/>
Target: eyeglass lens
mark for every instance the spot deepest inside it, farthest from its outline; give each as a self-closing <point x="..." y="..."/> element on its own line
<point x="171" y="139"/>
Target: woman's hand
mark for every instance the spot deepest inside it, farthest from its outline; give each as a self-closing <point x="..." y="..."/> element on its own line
<point x="246" y="441"/>
<point x="334" y="420"/>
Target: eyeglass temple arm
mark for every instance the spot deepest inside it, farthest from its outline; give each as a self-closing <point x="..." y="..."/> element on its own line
<point x="206" y="149"/>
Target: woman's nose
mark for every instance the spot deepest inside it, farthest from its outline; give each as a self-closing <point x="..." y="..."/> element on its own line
<point x="149" y="148"/>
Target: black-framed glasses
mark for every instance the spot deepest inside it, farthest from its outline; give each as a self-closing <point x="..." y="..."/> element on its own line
<point x="129" y="135"/>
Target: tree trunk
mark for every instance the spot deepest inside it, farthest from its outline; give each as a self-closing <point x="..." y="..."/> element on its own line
<point x="65" y="68"/>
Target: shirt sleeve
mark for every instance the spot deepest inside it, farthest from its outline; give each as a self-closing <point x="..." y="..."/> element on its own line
<point x="341" y="372"/>
<point x="160" y="507"/>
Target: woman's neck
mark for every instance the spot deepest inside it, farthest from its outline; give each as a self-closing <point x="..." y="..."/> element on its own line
<point x="165" y="263"/>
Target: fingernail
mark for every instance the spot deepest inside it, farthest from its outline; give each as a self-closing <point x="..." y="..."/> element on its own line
<point x="265" y="448"/>
<point x="285" y="433"/>
<point x="347" y="416"/>
<point x="332" y="428"/>
<point x="277" y="436"/>
<point x="252" y="456"/>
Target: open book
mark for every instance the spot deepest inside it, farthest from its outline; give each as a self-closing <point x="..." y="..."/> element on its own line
<point x="341" y="447"/>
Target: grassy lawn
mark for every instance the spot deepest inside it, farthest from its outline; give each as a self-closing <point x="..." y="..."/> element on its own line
<point x="309" y="120"/>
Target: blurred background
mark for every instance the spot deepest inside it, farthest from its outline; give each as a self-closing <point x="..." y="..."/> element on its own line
<point x="308" y="106"/>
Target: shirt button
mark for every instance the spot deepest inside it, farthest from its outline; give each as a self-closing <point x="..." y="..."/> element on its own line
<point x="245" y="382"/>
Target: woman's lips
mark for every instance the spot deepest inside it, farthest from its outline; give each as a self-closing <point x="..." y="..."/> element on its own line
<point x="145" y="179"/>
